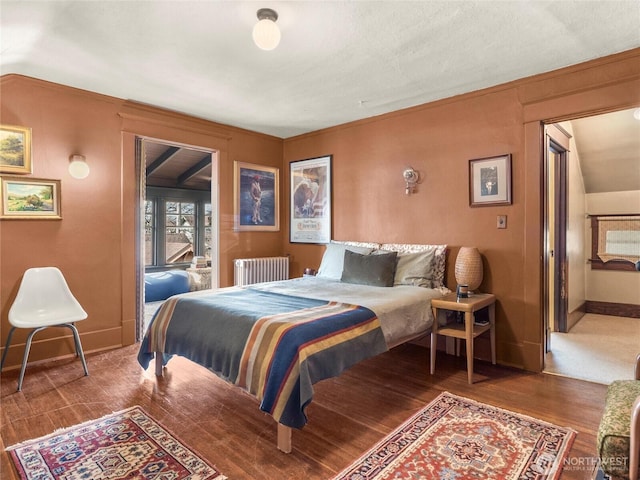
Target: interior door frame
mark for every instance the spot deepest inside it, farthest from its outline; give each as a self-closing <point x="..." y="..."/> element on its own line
<point x="139" y="222"/>
<point x="557" y="141"/>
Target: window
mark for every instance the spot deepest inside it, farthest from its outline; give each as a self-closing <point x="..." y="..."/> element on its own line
<point x="615" y="242"/>
<point x="149" y="227"/>
<point x="177" y="226"/>
<point x="180" y="231"/>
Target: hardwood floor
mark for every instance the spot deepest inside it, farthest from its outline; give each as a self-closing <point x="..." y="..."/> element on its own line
<point x="349" y="414"/>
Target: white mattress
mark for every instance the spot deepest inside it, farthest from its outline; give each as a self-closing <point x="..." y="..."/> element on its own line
<point x="404" y="311"/>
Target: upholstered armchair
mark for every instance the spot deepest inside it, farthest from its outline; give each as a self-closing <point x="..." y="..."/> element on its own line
<point x="619" y="431"/>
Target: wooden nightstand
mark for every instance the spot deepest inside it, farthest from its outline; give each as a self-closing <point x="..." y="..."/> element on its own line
<point x="467" y="330"/>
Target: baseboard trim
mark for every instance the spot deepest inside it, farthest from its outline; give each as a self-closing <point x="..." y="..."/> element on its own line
<point x="616" y="309"/>
<point x="576" y="315"/>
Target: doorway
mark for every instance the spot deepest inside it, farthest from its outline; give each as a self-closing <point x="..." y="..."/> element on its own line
<point x="176" y="221"/>
<point x="594" y="172"/>
<point x="557" y="142"/>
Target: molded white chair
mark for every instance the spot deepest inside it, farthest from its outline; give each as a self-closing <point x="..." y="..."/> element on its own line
<point x="44" y="300"/>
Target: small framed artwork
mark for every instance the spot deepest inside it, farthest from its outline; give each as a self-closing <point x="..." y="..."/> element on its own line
<point x="29" y="198"/>
<point x="256" y="197"/>
<point x="310" y="217"/>
<point x="490" y="181"/>
<point x="15" y="149"/>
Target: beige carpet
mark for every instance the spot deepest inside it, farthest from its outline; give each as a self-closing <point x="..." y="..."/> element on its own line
<point x="599" y="348"/>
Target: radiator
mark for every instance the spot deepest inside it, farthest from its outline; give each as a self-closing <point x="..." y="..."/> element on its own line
<point x="256" y="270"/>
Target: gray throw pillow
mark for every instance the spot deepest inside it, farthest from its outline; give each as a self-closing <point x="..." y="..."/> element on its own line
<point x="374" y="270"/>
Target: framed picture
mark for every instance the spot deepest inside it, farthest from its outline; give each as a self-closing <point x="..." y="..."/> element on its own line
<point x="310" y="220"/>
<point x="490" y="181"/>
<point x="30" y="198"/>
<point x="15" y="149"/>
<point x="256" y="197"/>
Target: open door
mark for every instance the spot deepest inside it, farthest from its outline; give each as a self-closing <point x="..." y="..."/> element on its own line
<point x="556" y="265"/>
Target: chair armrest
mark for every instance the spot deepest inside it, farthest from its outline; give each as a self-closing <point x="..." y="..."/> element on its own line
<point x="638" y="367"/>
<point x="634" y="441"/>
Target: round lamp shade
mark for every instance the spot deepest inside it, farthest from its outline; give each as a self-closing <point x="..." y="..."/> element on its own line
<point x="266" y="34"/>
<point x="469" y="267"/>
<point x="78" y="167"/>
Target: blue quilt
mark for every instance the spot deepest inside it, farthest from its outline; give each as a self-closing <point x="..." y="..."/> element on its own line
<point x="272" y="345"/>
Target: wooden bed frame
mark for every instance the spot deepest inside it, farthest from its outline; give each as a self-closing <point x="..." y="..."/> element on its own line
<point x="283" y="440"/>
<point x="284" y="432"/>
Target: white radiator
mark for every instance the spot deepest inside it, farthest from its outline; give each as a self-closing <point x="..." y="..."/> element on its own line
<point x="256" y="270"/>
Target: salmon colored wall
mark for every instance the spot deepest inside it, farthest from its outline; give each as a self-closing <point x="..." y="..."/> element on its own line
<point x="94" y="243"/>
<point x="439" y="139"/>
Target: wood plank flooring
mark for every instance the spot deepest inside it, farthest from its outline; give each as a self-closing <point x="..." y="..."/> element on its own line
<point x="349" y="414"/>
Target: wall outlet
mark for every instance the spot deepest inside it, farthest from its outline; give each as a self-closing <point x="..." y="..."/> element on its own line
<point x="502" y="221"/>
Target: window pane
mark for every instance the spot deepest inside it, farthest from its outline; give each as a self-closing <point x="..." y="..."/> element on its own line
<point x="148" y="232"/>
<point x="179" y="241"/>
<point x="207" y="243"/>
<point x="172" y="221"/>
<point x="179" y="245"/>
<point x="187" y="220"/>
<point x="207" y="214"/>
<point x="172" y="207"/>
<point x="622" y="242"/>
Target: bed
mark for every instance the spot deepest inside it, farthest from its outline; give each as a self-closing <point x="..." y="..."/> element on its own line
<point x="276" y="339"/>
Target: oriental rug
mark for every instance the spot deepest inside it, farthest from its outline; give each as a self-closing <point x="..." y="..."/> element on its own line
<point x="124" y="445"/>
<point x="456" y="438"/>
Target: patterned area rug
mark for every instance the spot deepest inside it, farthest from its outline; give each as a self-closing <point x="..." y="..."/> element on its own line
<point x="455" y="438"/>
<point x="124" y="445"/>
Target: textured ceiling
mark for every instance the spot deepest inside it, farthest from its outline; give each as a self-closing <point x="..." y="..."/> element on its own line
<point x="338" y="61"/>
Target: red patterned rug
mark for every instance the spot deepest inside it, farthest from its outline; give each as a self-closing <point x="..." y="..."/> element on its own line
<point x="455" y="438"/>
<point x="124" y="445"/>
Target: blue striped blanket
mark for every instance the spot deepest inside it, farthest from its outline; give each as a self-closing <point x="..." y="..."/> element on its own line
<point x="272" y="345"/>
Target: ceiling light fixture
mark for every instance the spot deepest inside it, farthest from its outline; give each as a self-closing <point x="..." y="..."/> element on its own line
<point x="266" y="33"/>
<point x="636" y="114"/>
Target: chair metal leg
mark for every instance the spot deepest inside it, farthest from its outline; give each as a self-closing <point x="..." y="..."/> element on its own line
<point x="6" y="347"/>
<point x="27" y="348"/>
<point x="79" y="351"/>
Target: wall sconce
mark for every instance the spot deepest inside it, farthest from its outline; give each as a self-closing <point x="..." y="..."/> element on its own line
<point x="78" y="167"/>
<point x="411" y="179"/>
<point x="266" y="33"/>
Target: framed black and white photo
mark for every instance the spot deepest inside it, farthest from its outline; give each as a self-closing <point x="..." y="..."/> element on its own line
<point x="256" y="197"/>
<point x="310" y="215"/>
<point x="490" y="181"/>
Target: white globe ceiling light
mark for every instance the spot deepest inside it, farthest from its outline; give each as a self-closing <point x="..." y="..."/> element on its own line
<point x="78" y="167"/>
<point x="266" y="33"/>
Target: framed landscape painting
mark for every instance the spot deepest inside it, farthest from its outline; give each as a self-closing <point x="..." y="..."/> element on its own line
<point x="256" y="197"/>
<point x="29" y="198"/>
<point x="15" y="149"/>
<point x="310" y="220"/>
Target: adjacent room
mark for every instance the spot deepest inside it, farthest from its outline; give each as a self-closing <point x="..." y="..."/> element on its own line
<point x="323" y="240"/>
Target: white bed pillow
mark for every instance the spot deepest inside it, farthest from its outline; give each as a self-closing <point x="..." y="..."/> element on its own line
<point x="415" y="269"/>
<point x="332" y="262"/>
<point x="439" y="263"/>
